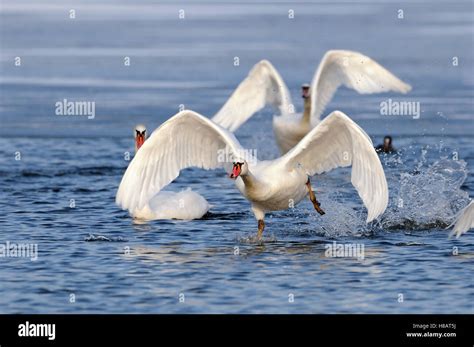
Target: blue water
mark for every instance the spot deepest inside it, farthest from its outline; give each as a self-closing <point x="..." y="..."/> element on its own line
<point x="95" y="252"/>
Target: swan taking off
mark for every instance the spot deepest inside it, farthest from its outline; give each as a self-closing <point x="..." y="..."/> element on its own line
<point x="264" y="86"/>
<point x="165" y="204"/>
<point x="191" y="140"/>
<point x="464" y="221"/>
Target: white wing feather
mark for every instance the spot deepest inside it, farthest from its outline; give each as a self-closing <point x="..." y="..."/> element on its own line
<point x="464" y="221"/>
<point x="353" y="70"/>
<point x="185" y="140"/>
<point x="263" y="86"/>
<point x="339" y="142"/>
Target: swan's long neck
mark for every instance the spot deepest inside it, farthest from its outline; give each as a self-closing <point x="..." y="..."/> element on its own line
<point x="250" y="181"/>
<point x="307" y="110"/>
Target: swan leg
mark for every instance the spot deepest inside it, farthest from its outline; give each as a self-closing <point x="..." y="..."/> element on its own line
<point x="313" y="199"/>
<point x="261" y="227"/>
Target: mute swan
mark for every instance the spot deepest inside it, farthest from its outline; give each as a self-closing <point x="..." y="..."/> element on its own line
<point x="188" y="139"/>
<point x="169" y="205"/>
<point x="464" y="221"/>
<point x="264" y="86"/>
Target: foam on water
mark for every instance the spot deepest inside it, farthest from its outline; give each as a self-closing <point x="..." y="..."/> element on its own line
<point x="424" y="197"/>
<point x="103" y="238"/>
<point x="427" y="197"/>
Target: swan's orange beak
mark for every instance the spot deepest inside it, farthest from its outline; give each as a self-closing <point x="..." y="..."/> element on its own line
<point x="236" y="171"/>
<point x="140" y="140"/>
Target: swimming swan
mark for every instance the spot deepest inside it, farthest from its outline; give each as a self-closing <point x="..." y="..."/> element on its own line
<point x="166" y="204"/>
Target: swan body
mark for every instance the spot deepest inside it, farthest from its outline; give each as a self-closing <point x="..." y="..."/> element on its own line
<point x="269" y="192"/>
<point x="289" y="130"/>
<point x="184" y="205"/>
<point x="464" y="220"/>
<point x="264" y="86"/>
<point x="189" y="139"/>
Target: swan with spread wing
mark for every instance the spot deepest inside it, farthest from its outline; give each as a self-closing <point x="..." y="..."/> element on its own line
<point x="191" y="140"/>
<point x="264" y="86"/>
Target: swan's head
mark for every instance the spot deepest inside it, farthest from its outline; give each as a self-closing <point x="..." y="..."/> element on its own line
<point x="140" y="136"/>
<point x="305" y="91"/>
<point x="239" y="168"/>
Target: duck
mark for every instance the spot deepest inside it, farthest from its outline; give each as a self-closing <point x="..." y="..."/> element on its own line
<point x="183" y="205"/>
<point x="189" y="139"/>
<point x="264" y="86"/>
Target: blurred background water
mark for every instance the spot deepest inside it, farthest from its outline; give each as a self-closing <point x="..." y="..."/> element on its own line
<point x="213" y="262"/>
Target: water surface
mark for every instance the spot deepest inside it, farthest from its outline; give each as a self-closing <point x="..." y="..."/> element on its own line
<point x="95" y="251"/>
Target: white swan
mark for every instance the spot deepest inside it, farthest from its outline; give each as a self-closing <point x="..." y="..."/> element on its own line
<point x="264" y="86"/>
<point x="464" y="221"/>
<point x="189" y="139"/>
<point x="166" y="204"/>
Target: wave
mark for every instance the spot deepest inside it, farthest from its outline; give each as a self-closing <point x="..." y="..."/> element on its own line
<point x="102" y="238"/>
<point x="427" y="197"/>
<point x="423" y="196"/>
<point x="80" y="171"/>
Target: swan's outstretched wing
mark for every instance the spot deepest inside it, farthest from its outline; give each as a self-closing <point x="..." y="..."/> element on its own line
<point x="338" y="142"/>
<point x="464" y="221"/>
<point x="263" y="86"/>
<point x="185" y="140"/>
<point x="353" y="70"/>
